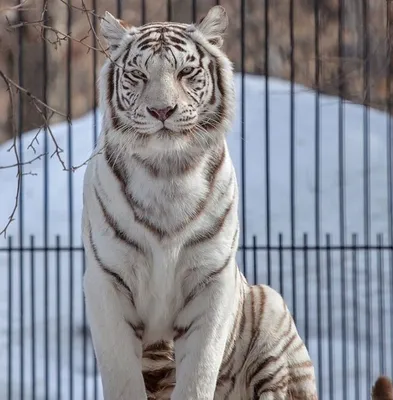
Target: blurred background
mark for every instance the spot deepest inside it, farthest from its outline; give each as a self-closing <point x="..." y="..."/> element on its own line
<point x="313" y="151"/>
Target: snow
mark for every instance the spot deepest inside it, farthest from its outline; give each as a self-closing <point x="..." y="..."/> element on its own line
<point x="61" y="206"/>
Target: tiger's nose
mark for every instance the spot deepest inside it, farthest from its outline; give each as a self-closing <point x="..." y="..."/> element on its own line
<point x="161" y="114"/>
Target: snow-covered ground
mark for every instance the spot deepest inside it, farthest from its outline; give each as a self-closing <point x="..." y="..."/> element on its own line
<point x="59" y="264"/>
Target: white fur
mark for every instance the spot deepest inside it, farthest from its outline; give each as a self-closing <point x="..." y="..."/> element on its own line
<point x="161" y="279"/>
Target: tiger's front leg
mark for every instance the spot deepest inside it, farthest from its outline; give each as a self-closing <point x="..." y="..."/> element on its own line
<point x="201" y="331"/>
<point x="116" y="339"/>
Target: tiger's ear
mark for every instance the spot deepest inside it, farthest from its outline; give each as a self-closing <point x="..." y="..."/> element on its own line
<point x="214" y="25"/>
<point x="113" y="30"/>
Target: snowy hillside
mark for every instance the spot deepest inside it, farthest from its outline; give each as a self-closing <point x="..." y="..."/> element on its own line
<point x="61" y="206"/>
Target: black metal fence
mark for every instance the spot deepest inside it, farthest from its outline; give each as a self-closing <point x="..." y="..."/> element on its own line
<point x="316" y="214"/>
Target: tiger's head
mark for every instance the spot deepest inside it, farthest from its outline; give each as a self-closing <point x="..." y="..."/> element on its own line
<point x="167" y="82"/>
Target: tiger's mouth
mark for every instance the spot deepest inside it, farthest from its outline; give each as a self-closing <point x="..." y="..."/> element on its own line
<point x="166" y="133"/>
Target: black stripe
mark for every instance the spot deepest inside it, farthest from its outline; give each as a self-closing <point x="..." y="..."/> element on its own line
<point x="147" y="42"/>
<point x="119" y="281"/>
<point x="118" y="100"/>
<point x="234" y="334"/>
<point x="129" y="78"/>
<point x="179" y="48"/>
<point x="144" y="36"/>
<point x="142" y="219"/>
<point x="261" y="366"/>
<point x="214" y="164"/>
<point x="222" y="111"/>
<point x="127" y="52"/>
<point x="211" y="71"/>
<point x="138" y="329"/>
<point x="265" y="381"/>
<point x="201" y="53"/>
<point x="213" y="230"/>
<point x="261" y="313"/>
<point x="193" y="96"/>
<point x="111" y="89"/>
<point x="119" y="171"/>
<point x="271" y="359"/>
<point x="242" y="326"/>
<point x="173" y="56"/>
<point x="111" y="83"/>
<point x="162" y="27"/>
<point x="177" y="167"/>
<point x="175" y="39"/>
<point x="146" y="46"/>
<point x="185" y="331"/>
<point x="138" y="208"/>
<point x="110" y="220"/>
<point x="205" y="283"/>
<point x="197" y="72"/>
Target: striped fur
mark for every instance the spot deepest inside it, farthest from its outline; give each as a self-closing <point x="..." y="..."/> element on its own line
<point x="171" y="315"/>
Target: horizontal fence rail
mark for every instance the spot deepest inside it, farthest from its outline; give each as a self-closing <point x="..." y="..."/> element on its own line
<point x="311" y="153"/>
<point x="45" y="310"/>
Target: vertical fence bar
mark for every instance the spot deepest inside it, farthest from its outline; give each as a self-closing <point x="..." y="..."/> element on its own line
<point x="21" y="322"/>
<point x="280" y="263"/>
<point x="292" y="151"/>
<point x="306" y="288"/>
<point x="319" y="326"/>
<point x="381" y="305"/>
<point x="58" y="317"/>
<point x="255" y="259"/>
<point x="194" y="10"/>
<point x="356" y="314"/>
<point x="169" y="10"/>
<point x="342" y="213"/>
<point x="243" y="126"/>
<point x="95" y="136"/>
<point x="369" y="358"/>
<point x="267" y="135"/>
<point x="119" y="8"/>
<point x="143" y="11"/>
<point x="389" y="149"/>
<point x="84" y="331"/>
<point x="269" y="272"/>
<point x="46" y="209"/>
<point x="366" y="181"/>
<point x="21" y="200"/>
<point x="32" y="318"/>
<point x="96" y="377"/>
<point x="95" y="115"/>
<point x="330" y="315"/>
<point x="10" y="312"/>
<point x="317" y="211"/>
<point x="70" y="204"/>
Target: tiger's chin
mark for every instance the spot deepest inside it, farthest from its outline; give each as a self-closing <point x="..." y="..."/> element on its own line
<point x="173" y="134"/>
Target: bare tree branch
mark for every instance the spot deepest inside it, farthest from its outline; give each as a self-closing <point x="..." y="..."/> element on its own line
<point x="16" y="165"/>
<point x="34" y="99"/>
<point x="18" y="7"/>
<point x="17" y="158"/>
<point x="45" y="111"/>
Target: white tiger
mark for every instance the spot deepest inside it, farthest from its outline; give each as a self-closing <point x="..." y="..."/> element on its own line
<point x="170" y="313"/>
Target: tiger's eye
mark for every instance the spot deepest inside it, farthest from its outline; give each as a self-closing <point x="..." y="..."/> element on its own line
<point x="186" y="71"/>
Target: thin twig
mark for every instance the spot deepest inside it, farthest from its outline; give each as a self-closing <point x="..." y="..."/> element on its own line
<point x="18" y="7"/>
<point x="42" y="107"/>
<point x="35" y="99"/>
<point x="14" y="147"/>
<point x="22" y="163"/>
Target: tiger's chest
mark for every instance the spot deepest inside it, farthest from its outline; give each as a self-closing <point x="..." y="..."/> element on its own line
<point x="159" y="293"/>
<point x="170" y="205"/>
